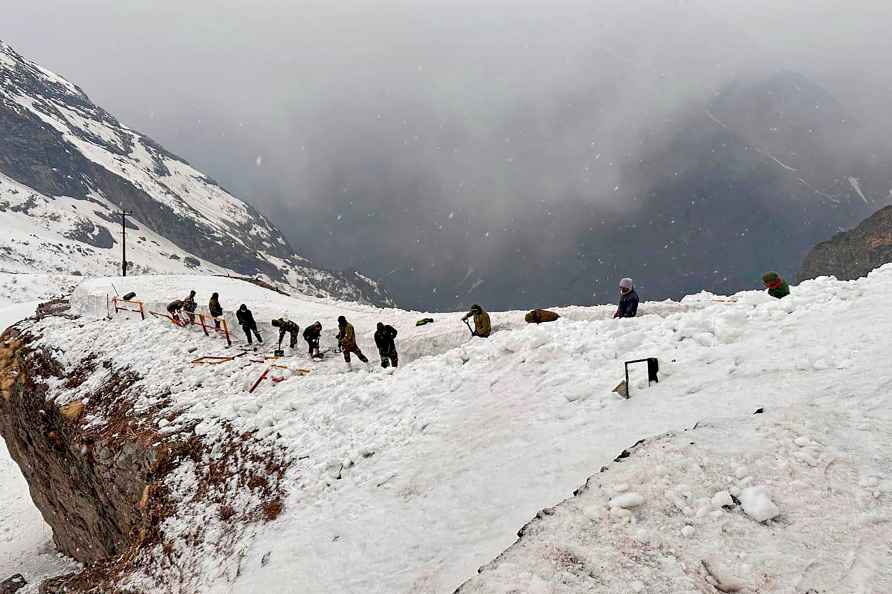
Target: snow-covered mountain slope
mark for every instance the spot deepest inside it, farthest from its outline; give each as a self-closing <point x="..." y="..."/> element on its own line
<point x="408" y="481"/>
<point x="67" y="166"/>
<point x="17" y="288"/>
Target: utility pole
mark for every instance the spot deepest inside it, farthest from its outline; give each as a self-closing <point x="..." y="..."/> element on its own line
<point x="124" y="214"/>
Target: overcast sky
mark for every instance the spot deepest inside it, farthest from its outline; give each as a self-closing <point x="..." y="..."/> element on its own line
<point x="405" y="138"/>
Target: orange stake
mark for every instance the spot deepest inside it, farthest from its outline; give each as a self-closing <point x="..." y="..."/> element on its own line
<point x="203" y="325"/>
<point x="259" y="379"/>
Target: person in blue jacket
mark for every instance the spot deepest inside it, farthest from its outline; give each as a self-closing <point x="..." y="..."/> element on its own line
<point x="628" y="300"/>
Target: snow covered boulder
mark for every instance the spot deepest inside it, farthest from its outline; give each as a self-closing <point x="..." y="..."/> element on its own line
<point x="757" y="504"/>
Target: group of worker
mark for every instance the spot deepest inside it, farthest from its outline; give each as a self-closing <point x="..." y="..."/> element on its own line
<point x="627" y="308"/>
<point x="182" y="311"/>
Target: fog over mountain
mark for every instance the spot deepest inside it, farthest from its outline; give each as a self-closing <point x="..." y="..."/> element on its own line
<point x="512" y="153"/>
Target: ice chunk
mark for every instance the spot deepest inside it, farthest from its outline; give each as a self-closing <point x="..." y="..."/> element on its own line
<point x="627" y="500"/>
<point x="722" y="499"/>
<point x="758" y="504"/>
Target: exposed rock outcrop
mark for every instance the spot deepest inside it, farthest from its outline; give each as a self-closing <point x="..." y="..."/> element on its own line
<point x="113" y="485"/>
<point x="852" y="254"/>
<point x="86" y="485"/>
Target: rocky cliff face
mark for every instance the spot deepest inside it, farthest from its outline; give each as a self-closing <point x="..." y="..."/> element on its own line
<point x="854" y="253"/>
<point x="89" y="437"/>
<point x="66" y="167"/>
<point x="87" y="488"/>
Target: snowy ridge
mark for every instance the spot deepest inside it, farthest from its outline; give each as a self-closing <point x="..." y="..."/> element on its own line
<point x="66" y="166"/>
<point x="414" y="479"/>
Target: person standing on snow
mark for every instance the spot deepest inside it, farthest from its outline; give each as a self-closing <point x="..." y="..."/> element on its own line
<point x="215" y="309"/>
<point x="777" y="287"/>
<point x="246" y="321"/>
<point x="311" y="336"/>
<point x="347" y="340"/>
<point x="285" y="325"/>
<point x="628" y="300"/>
<point x="384" y="336"/>
<point x="482" y="324"/>
<point x="189" y="306"/>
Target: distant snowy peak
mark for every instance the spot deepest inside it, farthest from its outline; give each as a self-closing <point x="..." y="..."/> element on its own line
<point x="68" y="165"/>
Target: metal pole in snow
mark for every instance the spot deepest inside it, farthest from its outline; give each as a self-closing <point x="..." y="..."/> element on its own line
<point x="124" y="214"/>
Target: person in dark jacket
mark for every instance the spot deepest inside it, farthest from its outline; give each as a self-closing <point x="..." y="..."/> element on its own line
<point x="347" y="340"/>
<point x="246" y="321"/>
<point x="189" y="306"/>
<point x="215" y="309"/>
<point x="628" y="300"/>
<point x="384" y="336"/>
<point x="777" y="287"/>
<point x="312" y="333"/>
<point x="482" y="324"/>
<point x="285" y="325"/>
<point x="174" y="308"/>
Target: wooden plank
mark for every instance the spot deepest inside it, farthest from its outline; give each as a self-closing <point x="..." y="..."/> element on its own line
<point x="211" y="360"/>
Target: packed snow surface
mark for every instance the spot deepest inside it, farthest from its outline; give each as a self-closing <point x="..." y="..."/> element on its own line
<point x="408" y="481"/>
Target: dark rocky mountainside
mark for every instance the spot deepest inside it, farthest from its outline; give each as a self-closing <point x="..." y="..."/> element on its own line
<point x="67" y="165"/>
<point x="748" y="184"/>
<point x="854" y="253"/>
<point x="736" y="182"/>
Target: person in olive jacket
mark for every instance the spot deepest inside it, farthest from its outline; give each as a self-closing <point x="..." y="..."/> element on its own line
<point x="215" y="309"/>
<point x="384" y="336"/>
<point x="347" y="340"/>
<point x="777" y="287"/>
<point x="628" y="300"/>
<point x="482" y="323"/>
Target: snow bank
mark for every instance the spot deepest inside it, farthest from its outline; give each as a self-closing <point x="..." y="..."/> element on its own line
<point x="415" y="478"/>
<point x="831" y="537"/>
